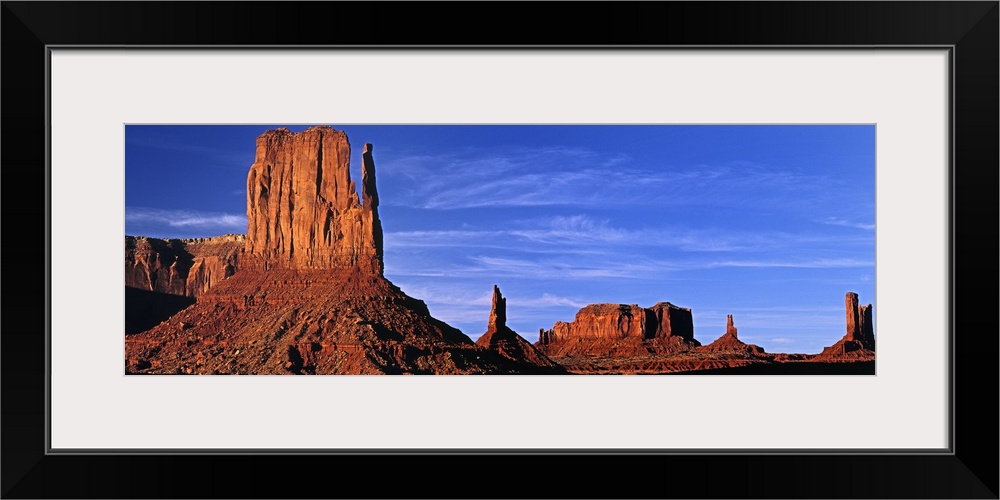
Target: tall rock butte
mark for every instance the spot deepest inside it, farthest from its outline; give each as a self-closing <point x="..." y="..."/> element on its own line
<point x="858" y="342"/>
<point x="302" y="206"/>
<point x="859" y="321"/>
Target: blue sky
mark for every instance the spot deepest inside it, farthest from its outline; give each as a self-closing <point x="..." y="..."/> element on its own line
<point x="773" y="224"/>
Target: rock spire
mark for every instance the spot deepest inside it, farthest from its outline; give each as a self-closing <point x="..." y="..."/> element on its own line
<point x="498" y="313"/>
<point x="730" y="328"/>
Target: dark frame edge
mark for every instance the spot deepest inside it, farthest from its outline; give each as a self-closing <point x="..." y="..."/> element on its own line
<point x="48" y="250"/>
<point x="976" y="83"/>
<point x="976" y="481"/>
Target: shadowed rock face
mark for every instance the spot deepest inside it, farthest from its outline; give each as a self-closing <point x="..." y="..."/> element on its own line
<point x="302" y="206"/>
<point x="369" y="202"/>
<point x="164" y="276"/>
<point x="185" y="267"/>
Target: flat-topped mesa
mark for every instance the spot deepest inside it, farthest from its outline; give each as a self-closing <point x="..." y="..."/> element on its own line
<point x="617" y="321"/>
<point x="498" y="312"/>
<point x="303" y="210"/>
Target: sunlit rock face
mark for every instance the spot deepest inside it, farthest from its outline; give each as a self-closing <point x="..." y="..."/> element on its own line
<point x="302" y="206"/>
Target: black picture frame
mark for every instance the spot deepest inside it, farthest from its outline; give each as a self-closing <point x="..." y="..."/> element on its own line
<point x="970" y="29"/>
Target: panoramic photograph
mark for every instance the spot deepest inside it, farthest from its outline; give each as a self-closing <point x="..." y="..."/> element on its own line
<point x="341" y="249"/>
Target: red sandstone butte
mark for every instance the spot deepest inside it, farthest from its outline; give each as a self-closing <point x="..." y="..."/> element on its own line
<point x="858" y="344"/>
<point x="309" y="296"/>
<point x="302" y="206"/>
<point x="501" y="339"/>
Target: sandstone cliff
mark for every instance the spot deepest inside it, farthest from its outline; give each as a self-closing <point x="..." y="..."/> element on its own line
<point x="302" y="206"/>
<point x="186" y="267"/>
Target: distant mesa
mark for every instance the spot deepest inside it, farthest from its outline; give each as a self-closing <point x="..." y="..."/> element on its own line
<point x="616" y="330"/>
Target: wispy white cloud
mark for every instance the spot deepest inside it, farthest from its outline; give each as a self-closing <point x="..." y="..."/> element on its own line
<point x="790" y="309"/>
<point x="440" y="238"/>
<point x="644" y="266"/>
<point x="576" y="229"/>
<point x="836" y="221"/>
<point x="523" y="177"/>
<point x="513" y="177"/>
<point x="807" y="263"/>
<point x="595" y="236"/>
<point x="190" y="219"/>
<point x="550" y="300"/>
<point x="576" y="260"/>
<point x="548" y="268"/>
